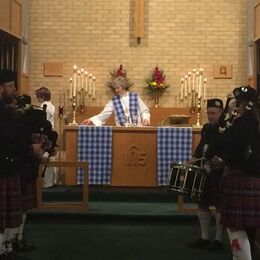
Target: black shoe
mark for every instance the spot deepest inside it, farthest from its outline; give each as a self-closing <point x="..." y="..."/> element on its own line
<point x="200" y="243"/>
<point x="215" y="245"/>
<point x="22" y="246"/>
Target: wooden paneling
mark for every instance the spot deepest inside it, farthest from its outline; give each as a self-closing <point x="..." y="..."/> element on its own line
<point x="5" y="15"/>
<point x="257" y="21"/>
<point x="134" y="157"/>
<point x="16" y="19"/>
<point x="11" y="17"/>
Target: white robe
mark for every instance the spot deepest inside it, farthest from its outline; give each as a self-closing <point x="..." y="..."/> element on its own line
<point x="142" y="110"/>
<point x="50" y="111"/>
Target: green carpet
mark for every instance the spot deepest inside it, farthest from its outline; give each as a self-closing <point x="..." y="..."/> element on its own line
<point x="120" y="224"/>
<point x="118" y="242"/>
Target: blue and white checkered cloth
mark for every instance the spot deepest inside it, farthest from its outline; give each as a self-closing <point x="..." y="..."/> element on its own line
<point x="95" y="146"/>
<point x="174" y="144"/>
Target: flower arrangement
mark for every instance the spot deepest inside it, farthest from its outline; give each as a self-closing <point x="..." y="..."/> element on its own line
<point x="156" y="81"/>
<point x="117" y="73"/>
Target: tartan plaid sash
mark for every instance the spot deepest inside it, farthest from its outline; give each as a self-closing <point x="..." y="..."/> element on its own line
<point x="119" y="111"/>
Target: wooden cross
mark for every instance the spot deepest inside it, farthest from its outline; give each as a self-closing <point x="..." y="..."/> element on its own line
<point x="138" y="20"/>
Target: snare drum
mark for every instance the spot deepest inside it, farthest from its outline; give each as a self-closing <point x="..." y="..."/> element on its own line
<point x="187" y="179"/>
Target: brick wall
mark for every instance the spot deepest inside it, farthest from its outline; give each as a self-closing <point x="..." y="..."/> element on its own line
<point x="98" y="35"/>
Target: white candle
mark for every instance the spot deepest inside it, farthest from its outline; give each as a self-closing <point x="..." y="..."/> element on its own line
<point x="89" y="84"/>
<point x="197" y="82"/>
<point x="74" y="80"/>
<point x="182" y="80"/>
<point x="78" y="80"/>
<point x="86" y="81"/>
<point x="193" y="79"/>
<point x="185" y="86"/>
<point x="200" y="82"/>
<point x="94" y="87"/>
<point x="82" y="79"/>
<point x="189" y="77"/>
<point x="71" y="88"/>
<point x="205" y="90"/>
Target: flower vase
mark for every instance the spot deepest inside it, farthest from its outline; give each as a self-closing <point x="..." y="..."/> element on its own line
<point x="156" y="98"/>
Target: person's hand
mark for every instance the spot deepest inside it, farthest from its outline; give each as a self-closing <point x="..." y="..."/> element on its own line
<point x="216" y="163"/>
<point x="37" y="150"/>
<point x="53" y="151"/>
<point x="145" y="122"/>
<point x="86" y="122"/>
<point x="193" y="160"/>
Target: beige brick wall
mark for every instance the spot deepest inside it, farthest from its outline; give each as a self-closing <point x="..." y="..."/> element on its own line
<point x="98" y="35"/>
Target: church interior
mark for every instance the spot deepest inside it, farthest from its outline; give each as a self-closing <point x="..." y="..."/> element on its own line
<point x="114" y="195"/>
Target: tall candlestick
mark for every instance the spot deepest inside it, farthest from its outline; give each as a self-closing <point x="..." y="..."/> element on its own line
<point x="86" y="81"/>
<point x="71" y="88"/>
<point x="193" y="79"/>
<point x="189" y="77"/>
<point x="94" y="87"/>
<point x="205" y="90"/>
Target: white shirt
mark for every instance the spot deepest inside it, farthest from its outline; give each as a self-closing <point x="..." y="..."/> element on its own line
<point x="50" y="110"/>
<point x="142" y="111"/>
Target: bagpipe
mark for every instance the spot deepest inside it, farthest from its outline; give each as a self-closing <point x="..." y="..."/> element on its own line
<point x="36" y="123"/>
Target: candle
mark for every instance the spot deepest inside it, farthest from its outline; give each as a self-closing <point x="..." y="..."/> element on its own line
<point x="189" y="77"/>
<point x="200" y="82"/>
<point x="78" y="80"/>
<point x="86" y="81"/>
<point x="82" y="79"/>
<point x="89" y="84"/>
<point x="185" y="86"/>
<point x="94" y="87"/>
<point x="74" y="81"/>
<point x="197" y="82"/>
<point x="71" y="88"/>
<point x="182" y="80"/>
<point x="193" y="79"/>
<point x="205" y="90"/>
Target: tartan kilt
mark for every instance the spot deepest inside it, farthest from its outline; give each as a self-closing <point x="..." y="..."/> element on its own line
<point x="13" y="201"/>
<point x="241" y="201"/>
<point x="212" y="193"/>
<point x="29" y="195"/>
<point x="2" y="205"/>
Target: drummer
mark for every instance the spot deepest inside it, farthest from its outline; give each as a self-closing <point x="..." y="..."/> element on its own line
<point x="211" y="195"/>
